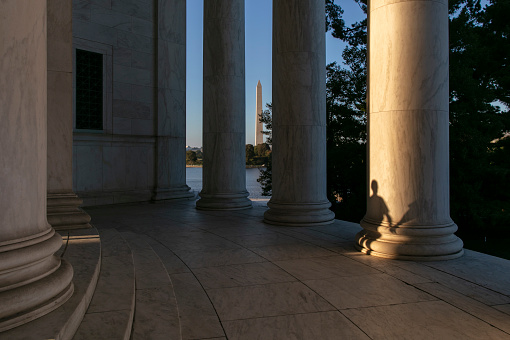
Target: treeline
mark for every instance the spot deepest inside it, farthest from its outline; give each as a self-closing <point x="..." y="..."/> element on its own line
<point x="258" y="154"/>
<point x="194" y="157"/>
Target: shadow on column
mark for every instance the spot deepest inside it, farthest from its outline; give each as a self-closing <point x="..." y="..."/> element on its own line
<point x="407" y="239"/>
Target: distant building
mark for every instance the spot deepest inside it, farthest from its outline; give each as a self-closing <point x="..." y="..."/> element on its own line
<point x="193" y="148"/>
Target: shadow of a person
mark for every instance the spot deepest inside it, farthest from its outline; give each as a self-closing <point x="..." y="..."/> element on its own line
<point x="377" y="206"/>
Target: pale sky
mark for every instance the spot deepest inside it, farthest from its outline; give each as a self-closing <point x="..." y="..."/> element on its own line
<point x="258" y="60"/>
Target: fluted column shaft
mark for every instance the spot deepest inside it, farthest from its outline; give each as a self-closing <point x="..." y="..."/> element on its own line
<point x="63" y="203"/>
<point x="299" y="115"/>
<point x="32" y="280"/>
<point x="224" y="174"/>
<point x="171" y="103"/>
<point x="408" y="212"/>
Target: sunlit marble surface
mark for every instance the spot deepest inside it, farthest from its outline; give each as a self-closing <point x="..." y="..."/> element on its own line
<point x="408" y="204"/>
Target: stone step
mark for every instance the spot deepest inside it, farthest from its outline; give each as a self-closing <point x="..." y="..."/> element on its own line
<point x="82" y="249"/>
<point x="198" y="317"/>
<point x="110" y="314"/>
<point x="156" y="312"/>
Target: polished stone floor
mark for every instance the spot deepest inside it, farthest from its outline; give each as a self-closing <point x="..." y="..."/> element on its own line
<point x="227" y="275"/>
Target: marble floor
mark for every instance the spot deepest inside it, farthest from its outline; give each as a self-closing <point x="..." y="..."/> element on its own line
<point x="227" y="275"/>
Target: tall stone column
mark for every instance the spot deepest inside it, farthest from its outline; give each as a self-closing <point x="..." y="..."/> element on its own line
<point x="63" y="204"/>
<point x="33" y="281"/>
<point x="224" y="174"/>
<point x="299" y="115"/>
<point x="171" y="103"/>
<point x="408" y="206"/>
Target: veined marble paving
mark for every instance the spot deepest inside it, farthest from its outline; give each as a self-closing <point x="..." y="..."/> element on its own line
<point x="235" y="277"/>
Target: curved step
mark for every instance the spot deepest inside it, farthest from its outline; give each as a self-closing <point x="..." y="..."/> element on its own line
<point x="110" y="314"/>
<point x="82" y="249"/>
<point x="156" y="313"/>
<point x="194" y="305"/>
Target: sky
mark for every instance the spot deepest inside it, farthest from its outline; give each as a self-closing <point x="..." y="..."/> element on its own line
<point x="258" y="60"/>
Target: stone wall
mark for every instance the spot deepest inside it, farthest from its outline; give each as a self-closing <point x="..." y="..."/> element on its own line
<point x="117" y="164"/>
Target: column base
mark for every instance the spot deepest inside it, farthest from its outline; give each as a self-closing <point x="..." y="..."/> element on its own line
<point x="299" y="214"/>
<point x="33" y="282"/>
<point x="224" y="201"/>
<point x="64" y="213"/>
<point x="182" y="192"/>
<point x="414" y="243"/>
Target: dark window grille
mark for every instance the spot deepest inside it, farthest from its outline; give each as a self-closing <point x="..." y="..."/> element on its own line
<point x="89" y="90"/>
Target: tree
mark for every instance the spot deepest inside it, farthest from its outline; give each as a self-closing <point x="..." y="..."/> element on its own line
<point x="262" y="150"/>
<point x="265" y="177"/>
<point x="346" y="118"/>
<point x="479" y="78"/>
<point x="249" y="154"/>
<point x="200" y="155"/>
<point x="191" y="157"/>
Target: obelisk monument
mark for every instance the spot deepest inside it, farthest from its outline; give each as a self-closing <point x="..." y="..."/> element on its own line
<point x="259" y="137"/>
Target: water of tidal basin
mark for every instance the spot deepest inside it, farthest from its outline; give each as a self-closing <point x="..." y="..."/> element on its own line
<point x="194" y="180"/>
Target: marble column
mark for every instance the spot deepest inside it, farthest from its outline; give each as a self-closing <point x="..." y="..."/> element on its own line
<point x="408" y="207"/>
<point x="224" y="174"/>
<point x="33" y="281"/>
<point x="171" y="103"/>
<point x="63" y="204"/>
<point x="299" y="115"/>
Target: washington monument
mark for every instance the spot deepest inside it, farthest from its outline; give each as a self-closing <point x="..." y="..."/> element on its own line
<point x="259" y="137"/>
